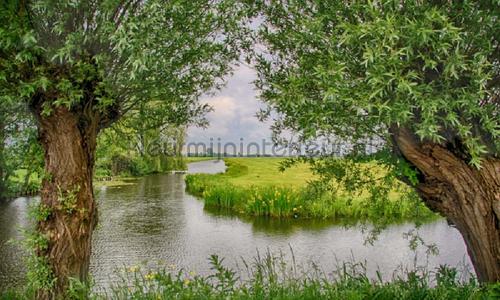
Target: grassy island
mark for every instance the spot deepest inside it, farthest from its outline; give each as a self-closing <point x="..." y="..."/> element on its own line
<point x="256" y="187"/>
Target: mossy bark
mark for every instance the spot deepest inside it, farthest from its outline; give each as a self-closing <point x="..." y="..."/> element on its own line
<point x="467" y="196"/>
<point x="3" y="184"/>
<point x="69" y="142"/>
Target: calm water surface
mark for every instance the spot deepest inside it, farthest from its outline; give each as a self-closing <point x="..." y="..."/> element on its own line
<point x="155" y="223"/>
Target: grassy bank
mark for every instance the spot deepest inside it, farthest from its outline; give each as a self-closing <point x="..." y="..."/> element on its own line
<point x="22" y="185"/>
<point x="255" y="186"/>
<point x="272" y="278"/>
<point x="128" y="179"/>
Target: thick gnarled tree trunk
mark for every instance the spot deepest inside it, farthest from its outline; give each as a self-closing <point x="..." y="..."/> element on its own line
<point x="3" y="183"/>
<point x="69" y="143"/>
<point x="466" y="196"/>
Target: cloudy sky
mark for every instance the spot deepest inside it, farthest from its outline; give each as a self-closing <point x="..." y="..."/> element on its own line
<point x="234" y="112"/>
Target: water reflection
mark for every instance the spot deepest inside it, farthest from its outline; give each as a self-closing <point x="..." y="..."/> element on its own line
<point x="284" y="226"/>
<point x="13" y="218"/>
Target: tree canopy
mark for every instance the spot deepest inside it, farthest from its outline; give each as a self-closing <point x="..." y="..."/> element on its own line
<point x="356" y="69"/>
<point x="128" y="51"/>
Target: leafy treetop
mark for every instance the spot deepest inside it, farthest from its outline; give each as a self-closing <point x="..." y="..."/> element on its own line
<point x="356" y="69"/>
<point x="111" y="55"/>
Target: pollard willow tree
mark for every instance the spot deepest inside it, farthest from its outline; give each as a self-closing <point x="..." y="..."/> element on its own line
<point x="421" y="76"/>
<point x="80" y="66"/>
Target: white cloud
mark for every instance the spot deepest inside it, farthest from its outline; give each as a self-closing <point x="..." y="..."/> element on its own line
<point x="224" y="106"/>
<point x="234" y="112"/>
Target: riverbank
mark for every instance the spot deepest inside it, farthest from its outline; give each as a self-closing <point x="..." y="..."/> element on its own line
<point x="127" y="178"/>
<point x="23" y="187"/>
<point x="122" y="180"/>
<point x="271" y="278"/>
<point x="256" y="187"/>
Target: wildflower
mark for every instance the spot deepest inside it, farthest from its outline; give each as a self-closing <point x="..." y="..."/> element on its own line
<point x="150" y="276"/>
<point x="187" y="281"/>
<point x="295" y="209"/>
<point x="192" y="273"/>
<point x="133" y="269"/>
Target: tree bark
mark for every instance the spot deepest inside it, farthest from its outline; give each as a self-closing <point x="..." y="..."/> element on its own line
<point x="466" y="196"/>
<point x="69" y="142"/>
<point x="3" y="185"/>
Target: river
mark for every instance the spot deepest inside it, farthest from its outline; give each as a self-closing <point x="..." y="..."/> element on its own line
<point x="155" y="223"/>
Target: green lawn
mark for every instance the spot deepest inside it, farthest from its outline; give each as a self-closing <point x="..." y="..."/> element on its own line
<point x="264" y="171"/>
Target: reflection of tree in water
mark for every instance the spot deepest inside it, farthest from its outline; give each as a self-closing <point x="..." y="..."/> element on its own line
<point x="139" y="224"/>
<point x="148" y="208"/>
<point x="281" y="226"/>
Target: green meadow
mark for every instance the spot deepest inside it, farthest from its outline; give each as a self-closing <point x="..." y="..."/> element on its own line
<point x="256" y="187"/>
<point x="264" y="171"/>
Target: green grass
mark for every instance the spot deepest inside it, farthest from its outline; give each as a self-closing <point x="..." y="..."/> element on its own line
<point x="255" y="187"/>
<point x="270" y="277"/>
<point x="264" y="171"/>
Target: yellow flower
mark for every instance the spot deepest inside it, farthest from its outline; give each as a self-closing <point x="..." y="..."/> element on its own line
<point x="192" y="273"/>
<point x="150" y="276"/>
<point x="133" y="269"/>
<point x="187" y="281"/>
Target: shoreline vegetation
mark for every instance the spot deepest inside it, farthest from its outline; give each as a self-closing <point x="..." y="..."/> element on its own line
<point x="22" y="187"/>
<point x="271" y="277"/>
<point x="255" y="187"/>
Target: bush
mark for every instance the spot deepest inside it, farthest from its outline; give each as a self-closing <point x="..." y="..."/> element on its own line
<point x="121" y="164"/>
